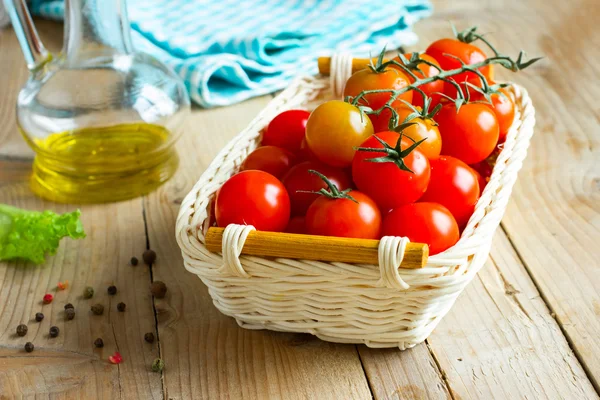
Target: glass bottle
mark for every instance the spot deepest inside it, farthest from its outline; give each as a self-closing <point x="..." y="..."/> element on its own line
<point x="101" y="118"/>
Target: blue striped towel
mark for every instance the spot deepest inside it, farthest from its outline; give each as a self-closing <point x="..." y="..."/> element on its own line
<point x="227" y="51"/>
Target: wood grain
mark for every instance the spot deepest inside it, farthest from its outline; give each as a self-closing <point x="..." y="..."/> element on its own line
<point x="323" y="248"/>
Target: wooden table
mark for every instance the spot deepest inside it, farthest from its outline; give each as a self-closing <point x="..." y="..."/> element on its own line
<point x="528" y="326"/>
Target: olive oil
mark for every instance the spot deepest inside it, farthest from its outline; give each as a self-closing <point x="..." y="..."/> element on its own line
<point x="102" y="164"/>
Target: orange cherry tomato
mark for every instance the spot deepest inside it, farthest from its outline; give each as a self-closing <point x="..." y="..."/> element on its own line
<point x="271" y="159"/>
<point x="334" y="130"/>
<point x="432" y="89"/>
<point x="470" y="134"/>
<point x="366" y="79"/>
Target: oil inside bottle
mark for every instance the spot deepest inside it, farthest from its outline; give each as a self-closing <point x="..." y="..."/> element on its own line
<point x="102" y="164"/>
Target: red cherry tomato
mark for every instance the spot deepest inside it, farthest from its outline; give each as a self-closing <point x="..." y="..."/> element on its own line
<point x="481" y="180"/>
<point x="299" y="179"/>
<point x="344" y="217"/>
<point x="432" y="89"/>
<point x="287" y="130"/>
<point x="448" y="52"/>
<point x="306" y="153"/>
<point x="253" y="198"/>
<point x="429" y="223"/>
<point x="454" y="185"/>
<point x="366" y="79"/>
<point x="386" y="182"/>
<point x="274" y="160"/>
<point x="297" y="225"/>
<point x="470" y="134"/>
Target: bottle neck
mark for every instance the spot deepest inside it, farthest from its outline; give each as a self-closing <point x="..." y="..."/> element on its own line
<point x="96" y="28"/>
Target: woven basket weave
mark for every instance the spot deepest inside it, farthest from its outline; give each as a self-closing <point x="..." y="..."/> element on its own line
<point x="341" y="302"/>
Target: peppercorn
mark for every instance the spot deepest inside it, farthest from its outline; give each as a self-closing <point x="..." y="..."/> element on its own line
<point x="69" y="305"/>
<point x="98" y="309"/>
<point x="70" y="313"/>
<point x="99" y="343"/>
<point x="22" y="330"/>
<point x="134" y="261"/>
<point x="54" y="331"/>
<point x="149" y="337"/>
<point x="29" y="347"/>
<point x="158" y="365"/>
<point x="158" y="289"/>
<point x="121" y="306"/>
<point x="112" y="290"/>
<point x="88" y="293"/>
<point x="149" y="257"/>
<point x="39" y="316"/>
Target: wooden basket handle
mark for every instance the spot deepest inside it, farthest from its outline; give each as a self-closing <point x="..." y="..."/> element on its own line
<point x="320" y="248"/>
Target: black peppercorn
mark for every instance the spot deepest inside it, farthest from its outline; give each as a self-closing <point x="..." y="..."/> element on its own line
<point x="121" y="306"/>
<point x="134" y="261"/>
<point x="39" y="316"/>
<point x="70" y="313"/>
<point x="158" y="289"/>
<point x="99" y="342"/>
<point x="88" y="293"/>
<point x="29" y="347"/>
<point x="98" y="309"/>
<point x="22" y="330"/>
<point x="112" y="290"/>
<point x="149" y="337"/>
<point x="149" y="257"/>
<point x="54" y="331"/>
<point x="69" y="305"/>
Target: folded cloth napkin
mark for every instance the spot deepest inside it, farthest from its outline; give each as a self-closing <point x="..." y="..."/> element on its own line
<point x="227" y="51"/>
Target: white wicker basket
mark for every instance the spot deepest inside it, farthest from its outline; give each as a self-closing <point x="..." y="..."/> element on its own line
<point x="336" y="301"/>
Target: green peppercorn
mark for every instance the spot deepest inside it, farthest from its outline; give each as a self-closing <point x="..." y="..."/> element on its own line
<point x="54" y="331"/>
<point x="134" y="261"/>
<point x="149" y="337"/>
<point x="29" y="347"/>
<point x="99" y="343"/>
<point x="69" y="305"/>
<point x="121" y="306"/>
<point x="158" y="289"/>
<point x="98" y="309"/>
<point x="112" y="290"/>
<point x="149" y="257"/>
<point x="88" y="293"/>
<point x="158" y="365"/>
<point x="22" y="330"/>
<point x="70" y="313"/>
<point x="39" y="316"/>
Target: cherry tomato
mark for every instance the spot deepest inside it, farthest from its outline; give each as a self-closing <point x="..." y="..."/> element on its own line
<point x="297" y="225"/>
<point x="344" y="217"/>
<point x="306" y="153"/>
<point x="253" y="198"/>
<point x="454" y="185"/>
<point x="333" y="131"/>
<point x="429" y="223"/>
<point x="432" y="89"/>
<point x="447" y="52"/>
<point x="274" y="160"/>
<point x="366" y="79"/>
<point x="481" y="180"/>
<point x="423" y="129"/>
<point x="299" y="179"/>
<point x="386" y="182"/>
<point x="470" y="134"/>
<point x="286" y="130"/>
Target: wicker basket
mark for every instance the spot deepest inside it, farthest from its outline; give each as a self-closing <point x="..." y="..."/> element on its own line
<point x="380" y="306"/>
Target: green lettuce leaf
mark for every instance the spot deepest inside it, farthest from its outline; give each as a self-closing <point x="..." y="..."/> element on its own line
<point x="30" y="235"/>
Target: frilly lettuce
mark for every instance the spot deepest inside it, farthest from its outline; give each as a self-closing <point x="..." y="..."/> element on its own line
<point x="30" y="235"/>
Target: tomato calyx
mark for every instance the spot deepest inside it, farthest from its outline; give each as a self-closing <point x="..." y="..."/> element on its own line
<point x="333" y="193"/>
<point x="394" y="154"/>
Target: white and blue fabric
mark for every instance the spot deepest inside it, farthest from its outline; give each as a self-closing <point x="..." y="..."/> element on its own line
<point x="227" y="51"/>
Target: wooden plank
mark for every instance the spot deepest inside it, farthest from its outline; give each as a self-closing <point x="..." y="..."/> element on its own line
<point x="69" y="365"/>
<point x="206" y="354"/>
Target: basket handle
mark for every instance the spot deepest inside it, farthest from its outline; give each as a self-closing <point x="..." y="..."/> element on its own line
<point x="320" y="248"/>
